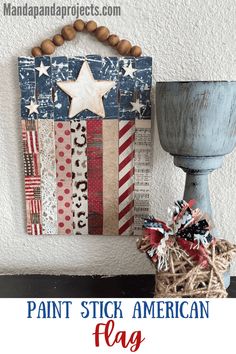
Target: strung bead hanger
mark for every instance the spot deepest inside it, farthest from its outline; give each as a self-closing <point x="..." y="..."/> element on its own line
<point x="102" y="33"/>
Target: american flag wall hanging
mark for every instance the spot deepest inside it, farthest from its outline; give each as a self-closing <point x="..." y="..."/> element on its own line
<point x="86" y="131"/>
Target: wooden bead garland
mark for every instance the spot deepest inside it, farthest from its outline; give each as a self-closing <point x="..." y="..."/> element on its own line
<point x="47" y="47"/>
<point x="58" y="40"/>
<point x="102" y="33"/>
<point x="68" y="33"/>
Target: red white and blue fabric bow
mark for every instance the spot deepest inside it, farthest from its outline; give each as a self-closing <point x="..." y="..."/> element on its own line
<point x="185" y="226"/>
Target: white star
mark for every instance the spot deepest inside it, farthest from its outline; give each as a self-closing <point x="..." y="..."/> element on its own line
<point x="136" y="106"/>
<point x="86" y="93"/>
<point x="32" y="107"/>
<point x="43" y="69"/>
<point x="129" y="70"/>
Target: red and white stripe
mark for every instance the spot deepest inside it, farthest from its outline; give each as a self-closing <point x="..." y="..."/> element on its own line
<point x="35" y="207"/>
<point x="32" y="141"/>
<point x="31" y="183"/>
<point x="34" y="229"/>
<point x="29" y="229"/>
<point x="36" y="164"/>
<point x="126" y="177"/>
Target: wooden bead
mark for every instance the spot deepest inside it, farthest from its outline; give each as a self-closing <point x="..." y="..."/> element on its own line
<point x="136" y="51"/>
<point x="68" y="33"/>
<point x="47" y="47"/>
<point x="79" y="25"/>
<point x="113" y="40"/>
<point x="102" y="33"/>
<point x="91" y="26"/>
<point x="124" y="47"/>
<point x="36" y="52"/>
<point x="58" y="40"/>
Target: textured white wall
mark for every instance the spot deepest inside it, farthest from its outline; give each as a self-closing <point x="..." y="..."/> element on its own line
<point x="189" y="40"/>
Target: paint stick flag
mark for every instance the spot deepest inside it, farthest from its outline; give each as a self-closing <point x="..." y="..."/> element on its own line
<point x="86" y="131"/>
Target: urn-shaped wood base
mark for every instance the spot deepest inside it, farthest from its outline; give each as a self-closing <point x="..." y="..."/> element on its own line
<point x="197" y="125"/>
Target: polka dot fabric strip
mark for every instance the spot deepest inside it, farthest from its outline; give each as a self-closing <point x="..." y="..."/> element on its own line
<point x="63" y="167"/>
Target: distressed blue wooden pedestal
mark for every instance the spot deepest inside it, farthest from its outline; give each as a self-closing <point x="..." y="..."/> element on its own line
<point x="197" y="125"/>
<point x="197" y="169"/>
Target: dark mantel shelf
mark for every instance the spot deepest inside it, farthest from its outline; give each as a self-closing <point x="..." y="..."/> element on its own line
<point x="65" y="286"/>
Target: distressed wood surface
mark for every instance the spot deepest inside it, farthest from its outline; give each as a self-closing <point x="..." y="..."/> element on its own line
<point x="44" y="88"/>
<point x="27" y="85"/>
<point x="197" y="118"/>
<point x="60" y="72"/>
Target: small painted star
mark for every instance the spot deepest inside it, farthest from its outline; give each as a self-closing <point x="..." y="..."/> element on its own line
<point x="136" y="106"/>
<point x="32" y="107"/>
<point x="86" y="93"/>
<point x="129" y="70"/>
<point x="43" y="69"/>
